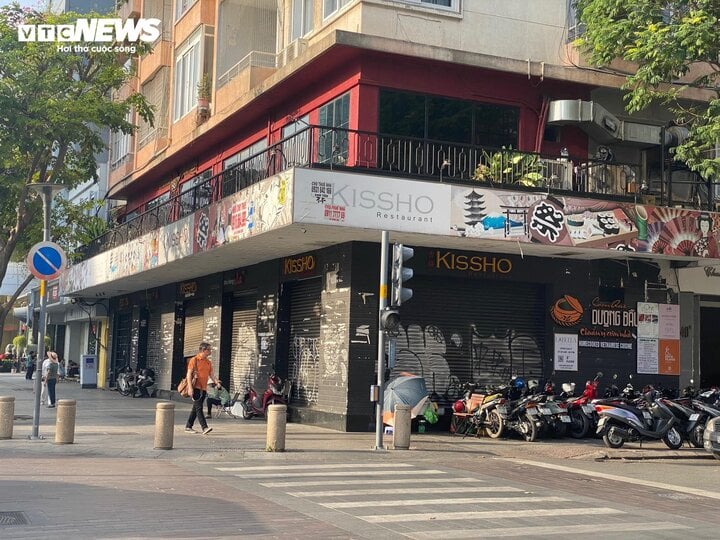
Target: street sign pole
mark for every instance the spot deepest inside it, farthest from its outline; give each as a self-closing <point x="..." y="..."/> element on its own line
<point x="382" y="304"/>
<point x="47" y="191"/>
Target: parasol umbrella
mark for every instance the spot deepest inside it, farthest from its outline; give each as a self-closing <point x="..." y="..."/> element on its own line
<point x="404" y="390"/>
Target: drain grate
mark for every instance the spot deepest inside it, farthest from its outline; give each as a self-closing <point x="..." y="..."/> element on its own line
<point x="13" y="518"/>
<point x="23" y="417"/>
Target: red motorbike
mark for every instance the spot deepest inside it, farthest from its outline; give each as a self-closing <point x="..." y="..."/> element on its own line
<point x="254" y="405"/>
<point x="580" y="409"/>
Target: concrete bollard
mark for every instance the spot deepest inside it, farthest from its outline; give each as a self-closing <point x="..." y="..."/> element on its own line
<point x="164" y="425"/>
<point x="401" y="430"/>
<point x="7" y="416"/>
<point x="65" y="423"/>
<point x="276" y="424"/>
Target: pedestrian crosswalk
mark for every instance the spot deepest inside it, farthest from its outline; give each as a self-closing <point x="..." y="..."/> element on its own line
<point x="421" y="503"/>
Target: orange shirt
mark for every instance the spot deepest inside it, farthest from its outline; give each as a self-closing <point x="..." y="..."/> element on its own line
<point x="204" y="367"/>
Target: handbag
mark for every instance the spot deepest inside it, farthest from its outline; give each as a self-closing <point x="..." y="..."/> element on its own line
<point x="182" y="386"/>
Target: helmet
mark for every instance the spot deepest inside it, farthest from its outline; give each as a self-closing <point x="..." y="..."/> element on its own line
<point x="459" y="406"/>
<point x="518" y="382"/>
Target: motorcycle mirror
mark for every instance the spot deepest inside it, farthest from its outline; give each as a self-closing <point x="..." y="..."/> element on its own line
<point x="599" y="374"/>
<point x="615" y="376"/>
<point x="630" y="376"/>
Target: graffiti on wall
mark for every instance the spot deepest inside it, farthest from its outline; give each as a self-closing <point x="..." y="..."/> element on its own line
<point x="447" y="363"/>
<point x="245" y="359"/>
<point x="334" y="336"/>
<point x="304" y="359"/>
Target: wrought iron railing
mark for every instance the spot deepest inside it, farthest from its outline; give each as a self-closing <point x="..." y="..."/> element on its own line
<point x="327" y="147"/>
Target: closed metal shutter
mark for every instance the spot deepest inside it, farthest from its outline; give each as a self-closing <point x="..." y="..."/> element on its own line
<point x="303" y="364"/>
<point x="194" y="326"/>
<point x="154" y="340"/>
<point x="122" y="340"/>
<point x="244" y="353"/>
<point x="460" y="330"/>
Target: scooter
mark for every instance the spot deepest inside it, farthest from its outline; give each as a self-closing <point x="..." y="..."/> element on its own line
<point x="621" y="422"/>
<point x="145" y="383"/>
<point x="581" y="411"/>
<point x="254" y="405"/>
<point x="126" y="381"/>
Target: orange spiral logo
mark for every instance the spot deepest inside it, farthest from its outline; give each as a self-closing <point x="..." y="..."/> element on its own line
<point x="567" y="311"/>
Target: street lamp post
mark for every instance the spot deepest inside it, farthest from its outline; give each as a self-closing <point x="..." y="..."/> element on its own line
<point x="47" y="191"/>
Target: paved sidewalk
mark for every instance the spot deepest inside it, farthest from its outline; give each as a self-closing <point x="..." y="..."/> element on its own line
<point x="108" y="424"/>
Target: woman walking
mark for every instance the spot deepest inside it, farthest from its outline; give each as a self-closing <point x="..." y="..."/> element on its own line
<point x="50" y="369"/>
<point x="199" y="370"/>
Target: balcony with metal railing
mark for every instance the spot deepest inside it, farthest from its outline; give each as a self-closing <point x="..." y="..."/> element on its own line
<point x="374" y="153"/>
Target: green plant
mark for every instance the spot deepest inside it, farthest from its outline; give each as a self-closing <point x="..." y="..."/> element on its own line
<point x="204" y="87"/>
<point x="508" y="167"/>
<point x="19" y="342"/>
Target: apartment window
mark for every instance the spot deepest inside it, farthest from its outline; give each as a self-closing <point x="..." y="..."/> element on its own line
<point x="452" y="4"/>
<point x="195" y="193"/>
<point x="331" y="6"/>
<point x="333" y="143"/>
<point x="157" y="201"/>
<point x="302" y="18"/>
<point x="120" y="144"/>
<point x="181" y="6"/>
<point x="445" y="119"/>
<point x="575" y="27"/>
<point x="245" y="153"/>
<point x="188" y="64"/>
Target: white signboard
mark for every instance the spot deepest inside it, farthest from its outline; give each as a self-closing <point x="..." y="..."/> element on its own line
<point x="648" y="320"/>
<point x="669" y="321"/>
<point x="566" y="352"/>
<point x="647" y="355"/>
<point x="371" y="202"/>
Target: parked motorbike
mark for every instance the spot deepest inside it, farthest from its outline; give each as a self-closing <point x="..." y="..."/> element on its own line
<point x="521" y="414"/>
<point x="126" y="381"/>
<point x="650" y="420"/>
<point x="254" y="405"/>
<point x="580" y="409"/>
<point x="484" y="412"/>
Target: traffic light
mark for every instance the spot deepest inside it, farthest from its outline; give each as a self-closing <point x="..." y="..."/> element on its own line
<point x="401" y="274"/>
<point x="390" y="319"/>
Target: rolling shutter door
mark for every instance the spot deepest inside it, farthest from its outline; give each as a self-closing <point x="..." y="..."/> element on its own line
<point x="154" y="342"/>
<point x="194" y="326"/>
<point x="123" y="339"/>
<point x="459" y="330"/>
<point x="304" y="340"/>
<point x="244" y="353"/>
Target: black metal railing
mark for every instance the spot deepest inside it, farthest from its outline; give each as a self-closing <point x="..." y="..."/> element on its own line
<point x="440" y="161"/>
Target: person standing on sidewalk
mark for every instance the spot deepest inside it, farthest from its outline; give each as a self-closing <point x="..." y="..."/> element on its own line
<point x="201" y="364"/>
<point x="50" y="369"/>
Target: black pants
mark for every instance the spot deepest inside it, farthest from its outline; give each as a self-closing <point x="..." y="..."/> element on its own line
<point x="197" y="410"/>
<point x="210" y="402"/>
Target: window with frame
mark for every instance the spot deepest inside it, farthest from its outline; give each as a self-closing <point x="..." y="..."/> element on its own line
<point x="188" y="66"/>
<point x="253" y="160"/>
<point x="181" y="7"/>
<point x="449" y="4"/>
<point x="195" y="193"/>
<point x="302" y="18"/>
<point x="120" y="144"/>
<point x="333" y="143"/>
<point x="331" y="6"/>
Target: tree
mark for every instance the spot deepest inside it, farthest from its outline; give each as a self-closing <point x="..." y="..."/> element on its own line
<point x="675" y="46"/>
<point x="53" y="106"/>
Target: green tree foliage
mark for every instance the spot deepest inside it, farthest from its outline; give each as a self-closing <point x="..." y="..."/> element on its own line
<point x="675" y="46"/>
<point x="53" y="108"/>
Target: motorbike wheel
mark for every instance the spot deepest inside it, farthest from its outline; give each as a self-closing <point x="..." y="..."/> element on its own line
<point x="124" y="391"/>
<point x="673" y="439"/>
<point x="527" y="428"/>
<point x="559" y="429"/>
<point x="495" y="425"/>
<point x="696" y="436"/>
<point x="612" y="439"/>
<point x="579" y="424"/>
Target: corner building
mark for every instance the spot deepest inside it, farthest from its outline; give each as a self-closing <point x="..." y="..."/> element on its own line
<point x="550" y="229"/>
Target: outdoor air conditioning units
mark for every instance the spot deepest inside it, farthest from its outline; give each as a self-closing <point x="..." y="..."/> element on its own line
<point x="292" y="51"/>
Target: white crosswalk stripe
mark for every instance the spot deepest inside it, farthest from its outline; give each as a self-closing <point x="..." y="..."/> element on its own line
<point x="396" y="491"/>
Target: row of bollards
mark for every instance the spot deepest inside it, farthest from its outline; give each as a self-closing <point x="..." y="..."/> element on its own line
<point x="165" y="427"/>
<point x="64" y="423"/>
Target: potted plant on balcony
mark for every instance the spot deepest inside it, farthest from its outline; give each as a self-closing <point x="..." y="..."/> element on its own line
<point x="204" y="91"/>
<point x="509" y="167"/>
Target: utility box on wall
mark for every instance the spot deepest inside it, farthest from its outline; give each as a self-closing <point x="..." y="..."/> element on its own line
<point x="88" y="371"/>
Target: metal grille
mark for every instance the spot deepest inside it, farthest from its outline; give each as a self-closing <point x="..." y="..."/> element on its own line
<point x="304" y="340"/>
<point x="13" y="518"/>
<point x="155" y="91"/>
<point x="244" y="355"/>
<point x="194" y="322"/>
<point x="461" y="330"/>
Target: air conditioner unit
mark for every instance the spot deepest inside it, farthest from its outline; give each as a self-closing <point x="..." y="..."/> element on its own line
<point x="292" y="51"/>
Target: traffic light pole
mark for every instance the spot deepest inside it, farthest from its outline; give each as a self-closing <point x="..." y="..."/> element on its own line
<point x="382" y="304"/>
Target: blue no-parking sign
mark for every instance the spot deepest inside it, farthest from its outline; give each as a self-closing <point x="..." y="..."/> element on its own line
<point x="46" y="260"/>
